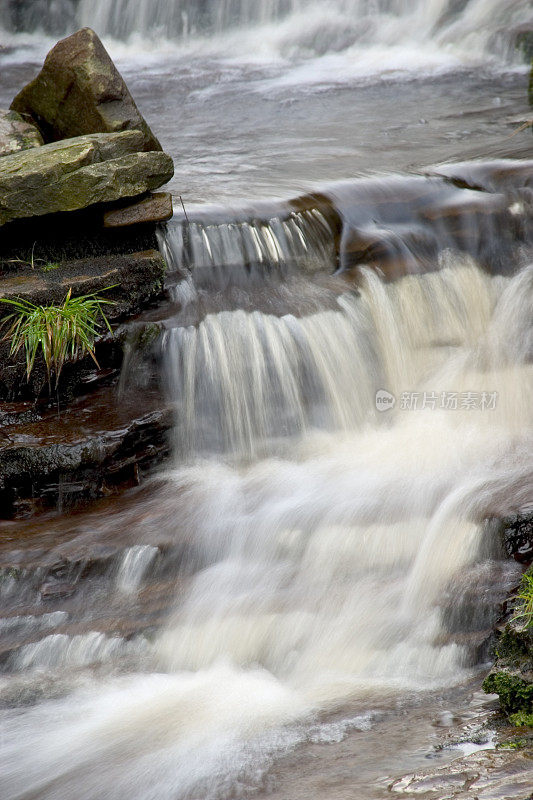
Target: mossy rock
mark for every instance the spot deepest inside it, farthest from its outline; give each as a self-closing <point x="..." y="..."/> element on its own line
<point x="515" y="693"/>
<point x="515" y="647"/>
<point x="524" y="43"/>
<point x="77" y="173"/>
<point x="79" y="91"/>
<point x="521" y="719"/>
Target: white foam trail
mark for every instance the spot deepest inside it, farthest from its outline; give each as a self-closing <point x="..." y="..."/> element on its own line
<point x="190" y="727"/>
<point x="240" y="379"/>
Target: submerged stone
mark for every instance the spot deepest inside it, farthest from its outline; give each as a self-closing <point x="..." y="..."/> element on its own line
<point x="54" y="591"/>
<point x="16" y="134"/>
<point x="77" y="173"/>
<point x="79" y="90"/>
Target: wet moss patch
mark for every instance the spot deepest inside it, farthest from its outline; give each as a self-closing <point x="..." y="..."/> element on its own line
<point x="515" y="693"/>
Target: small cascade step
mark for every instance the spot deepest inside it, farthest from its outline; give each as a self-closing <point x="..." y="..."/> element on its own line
<point x="89" y="589"/>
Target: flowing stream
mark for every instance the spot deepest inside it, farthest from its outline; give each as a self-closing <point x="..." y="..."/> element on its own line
<point x="349" y="365"/>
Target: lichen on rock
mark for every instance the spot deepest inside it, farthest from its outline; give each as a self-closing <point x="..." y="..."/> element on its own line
<point x="16" y="134"/>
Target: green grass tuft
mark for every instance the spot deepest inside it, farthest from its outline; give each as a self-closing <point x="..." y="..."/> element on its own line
<point x="62" y="333"/>
<point x="524" y="609"/>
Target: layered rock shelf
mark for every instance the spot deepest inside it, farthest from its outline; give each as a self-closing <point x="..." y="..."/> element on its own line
<point x="91" y="449"/>
<point x="77" y="173"/>
<point x="78" y="164"/>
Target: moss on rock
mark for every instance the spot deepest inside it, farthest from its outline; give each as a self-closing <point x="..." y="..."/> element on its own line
<point x="512" y="675"/>
<point x="515" y="693"/>
<point x="521" y="719"/>
<point x="17" y="134"/>
<point x="76" y="173"/>
<point x="514" y="646"/>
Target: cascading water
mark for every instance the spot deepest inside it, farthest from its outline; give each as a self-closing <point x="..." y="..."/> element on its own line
<point x="309" y="26"/>
<point x="340" y="440"/>
<point x="326" y="562"/>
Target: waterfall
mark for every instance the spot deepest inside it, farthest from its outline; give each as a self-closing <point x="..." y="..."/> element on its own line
<point x="331" y="568"/>
<point x="309" y="26"/>
<point x="262" y="245"/>
<point x="350" y="374"/>
<point x="241" y="378"/>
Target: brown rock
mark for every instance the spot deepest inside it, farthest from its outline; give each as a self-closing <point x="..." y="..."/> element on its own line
<point x="136" y="278"/>
<point x="157" y="207"/>
<point x="78" y="91"/>
<point x="56" y="591"/>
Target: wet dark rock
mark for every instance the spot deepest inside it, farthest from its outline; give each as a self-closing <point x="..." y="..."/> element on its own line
<point x="16" y="413"/>
<point x="78" y="172"/>
<point x="517" y="535"/>
<point x="17" y="134"/>
<point x="56" y="591"/>
<point x="489" y="176"/>
<point x="400" y="226"/>
<point x="154" y="208"/>
<point x="79" y="91"/>
<point x="93" y="448"/>
<point x="137" y="280"/>
<point x="55" y="238"/>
